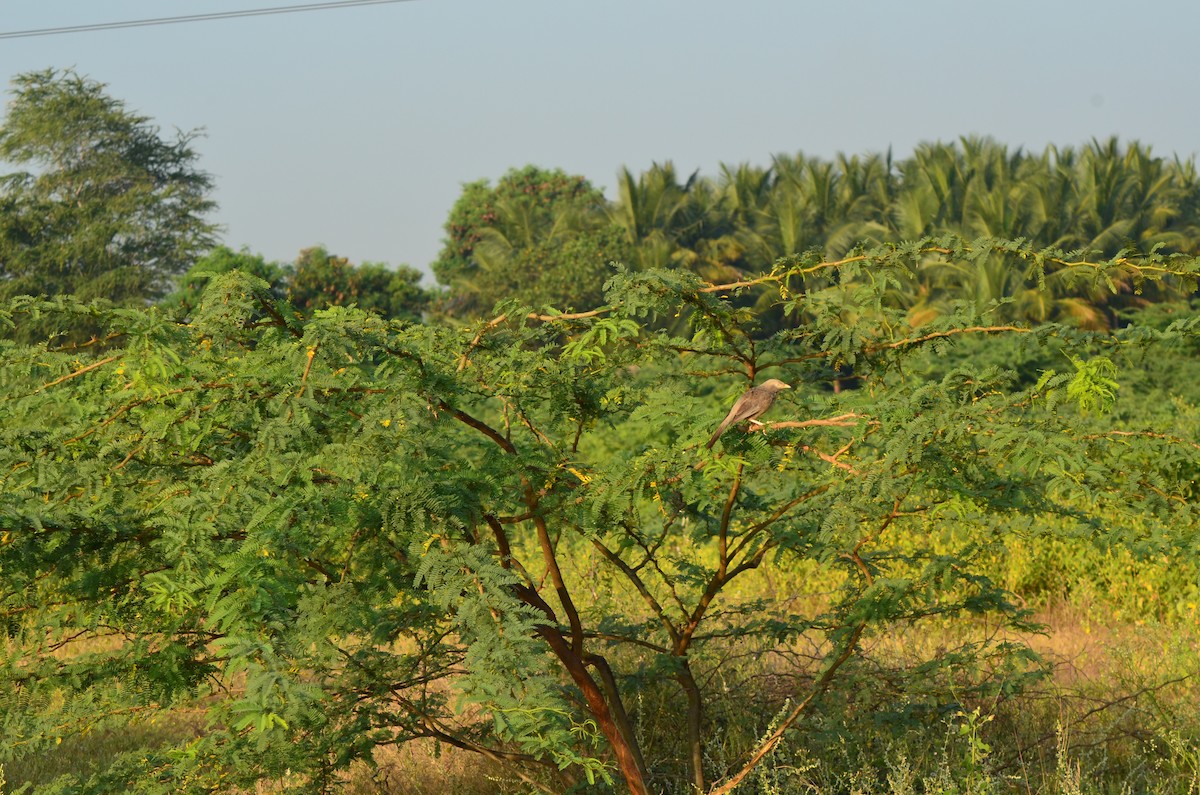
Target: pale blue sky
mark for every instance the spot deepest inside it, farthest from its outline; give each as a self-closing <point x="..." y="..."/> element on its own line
<point x="356" y="127"/>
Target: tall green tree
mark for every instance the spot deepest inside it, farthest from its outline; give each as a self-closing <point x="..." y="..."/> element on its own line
<point x="533" y="233"/>
<point x="318" y="280"/>
<point x="106" y="207"/>
<point x="185" y="299"/>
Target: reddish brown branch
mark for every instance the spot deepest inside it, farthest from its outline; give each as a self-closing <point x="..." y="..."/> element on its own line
<point x="640" y="585"/>
<point x="726" y="516"/>
<point x="480" y="426"/>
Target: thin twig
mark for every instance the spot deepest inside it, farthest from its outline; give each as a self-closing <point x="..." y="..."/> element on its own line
<point x="312" y="355"/>
<point x="77" y="373"/>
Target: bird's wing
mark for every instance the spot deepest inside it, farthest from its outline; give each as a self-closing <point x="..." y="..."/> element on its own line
<point x="754" y="403"/>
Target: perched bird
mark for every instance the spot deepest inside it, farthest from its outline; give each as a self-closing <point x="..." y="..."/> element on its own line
<point x="749" y="406"/>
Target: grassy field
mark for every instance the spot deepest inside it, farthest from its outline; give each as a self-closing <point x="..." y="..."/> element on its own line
<point x="1119" y="711"/>
<point x="1120" y="714"/>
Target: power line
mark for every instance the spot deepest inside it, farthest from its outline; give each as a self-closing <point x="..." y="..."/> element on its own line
<point x="142" y="23"/>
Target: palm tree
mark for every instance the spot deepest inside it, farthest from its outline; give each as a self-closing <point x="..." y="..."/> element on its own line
<point x="745" y="191"/>
<point x="930" y="195"/>
<point x="863" y="194"/>
<point x="653" y="212"/>
<point x="1124" y="198"/>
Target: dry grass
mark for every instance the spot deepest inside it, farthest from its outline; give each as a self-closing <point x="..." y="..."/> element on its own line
<point x="423" y="768"/>
<point x="1118" y="697"/>
<point x="82" y="755"/>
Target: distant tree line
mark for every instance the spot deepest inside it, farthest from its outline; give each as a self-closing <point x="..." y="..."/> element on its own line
<point x="316" y="280"/>
<point x="537" y="230"/>
<point x="107" y="207"/>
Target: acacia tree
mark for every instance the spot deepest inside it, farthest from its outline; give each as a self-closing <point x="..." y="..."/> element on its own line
<point x="343" y="533"/>
<point x="108" y="208"/>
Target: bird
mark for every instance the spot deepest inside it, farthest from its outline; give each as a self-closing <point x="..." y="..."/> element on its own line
<point x="752" y="404"/>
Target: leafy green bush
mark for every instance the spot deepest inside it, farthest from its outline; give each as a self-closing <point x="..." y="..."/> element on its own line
<point x="337" y="534"/>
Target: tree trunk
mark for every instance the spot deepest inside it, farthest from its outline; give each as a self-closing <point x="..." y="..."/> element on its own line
<point x="617" y="707"/>
<point x="627" y="756"/>
<point x="695" y="716"/>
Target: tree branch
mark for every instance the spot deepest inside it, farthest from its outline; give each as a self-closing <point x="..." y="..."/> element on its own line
<point x="76" y="373"/>
<point x="640" y="585"/>
<point x="480" y="426"/>
<point x="768" y="745"/>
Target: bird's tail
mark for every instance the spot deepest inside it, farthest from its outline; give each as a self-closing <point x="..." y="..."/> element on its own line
<point x="717" y="435"/>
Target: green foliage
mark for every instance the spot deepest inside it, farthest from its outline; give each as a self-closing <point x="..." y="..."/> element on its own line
<point x="1098" y="200"/>
<point x="319" y="280"/>
<point x="107" y="208"/>
<point x="332" y="532"/>
<point x="538" y="236"/>
<point x="1093" y="386"/>
<point x="278" y="504"/>
<point x="222" y="259"/>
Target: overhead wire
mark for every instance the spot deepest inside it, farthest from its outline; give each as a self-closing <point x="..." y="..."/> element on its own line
<point x="141" y="23"/>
